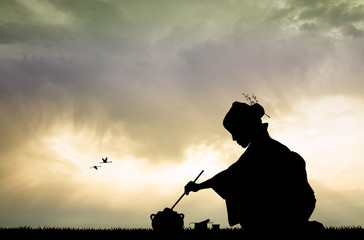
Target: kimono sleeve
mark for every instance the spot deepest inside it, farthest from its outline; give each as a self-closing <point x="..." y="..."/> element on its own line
<point x="221" y="183"/>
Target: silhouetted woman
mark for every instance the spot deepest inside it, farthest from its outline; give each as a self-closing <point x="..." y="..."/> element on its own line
<point x="267" y="188"/>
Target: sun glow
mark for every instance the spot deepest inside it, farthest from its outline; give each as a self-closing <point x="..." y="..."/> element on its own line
<point x="328" y="134"/>
<point x="127" y="181"/>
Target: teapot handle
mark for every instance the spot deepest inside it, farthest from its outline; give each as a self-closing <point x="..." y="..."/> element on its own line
<point x="152" y="216"/>
<point x="182" y="215"/>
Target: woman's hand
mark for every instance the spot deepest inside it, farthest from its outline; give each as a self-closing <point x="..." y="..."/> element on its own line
<point x="191" y="186"/>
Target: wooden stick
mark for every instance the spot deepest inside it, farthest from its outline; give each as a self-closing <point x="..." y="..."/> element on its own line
<point x="185" y="193"/>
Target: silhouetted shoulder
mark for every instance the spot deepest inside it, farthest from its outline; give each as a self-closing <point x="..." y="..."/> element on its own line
<point x="282" y="157"/>
<point x="298" y="159"/>
<point x="276" y="147"/>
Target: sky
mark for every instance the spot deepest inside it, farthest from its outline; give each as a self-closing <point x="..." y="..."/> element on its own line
<point x="148" y="83"/>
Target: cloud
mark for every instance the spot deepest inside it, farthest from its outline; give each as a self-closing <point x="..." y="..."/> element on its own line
<point x="353" y="31"/>
<point x="322" y="17"/>
<point x="163" y="89"/>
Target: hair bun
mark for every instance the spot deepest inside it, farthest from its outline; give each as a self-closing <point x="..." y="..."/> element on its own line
<point x="257" y="110"/>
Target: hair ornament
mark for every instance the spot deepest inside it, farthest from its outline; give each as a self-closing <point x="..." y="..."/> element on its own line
<point x="253" y="100"/>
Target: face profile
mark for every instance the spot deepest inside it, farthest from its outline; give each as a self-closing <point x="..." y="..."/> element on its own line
<point x="242" y="121"/>
<point x="241" y="137"/>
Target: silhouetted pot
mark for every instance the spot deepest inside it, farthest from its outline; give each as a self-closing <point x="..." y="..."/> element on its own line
<point x="167" y="220"/>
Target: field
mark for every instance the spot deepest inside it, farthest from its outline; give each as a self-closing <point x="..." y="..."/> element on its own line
<point x="121" y="233"/>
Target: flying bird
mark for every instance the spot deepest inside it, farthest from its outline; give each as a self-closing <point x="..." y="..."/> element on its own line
<point x="95" y="167"/>
<point x="104" y="160"/>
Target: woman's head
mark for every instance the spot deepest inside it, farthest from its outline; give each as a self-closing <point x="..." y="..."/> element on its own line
<point x="242" y="120"/>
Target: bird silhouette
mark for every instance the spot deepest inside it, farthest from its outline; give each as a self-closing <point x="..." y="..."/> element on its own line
<point x="95" y="167"/>
<point x="104" y="160"/>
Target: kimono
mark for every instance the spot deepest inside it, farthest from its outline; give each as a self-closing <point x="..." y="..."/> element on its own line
<point x="267" y="186"/>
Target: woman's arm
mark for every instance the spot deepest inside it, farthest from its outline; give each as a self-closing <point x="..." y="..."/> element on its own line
<point x="194" y="187"/>
<point x="220" y="183"/>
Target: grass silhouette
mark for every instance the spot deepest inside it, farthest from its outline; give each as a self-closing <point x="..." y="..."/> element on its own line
<point x="348" y="232"/>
